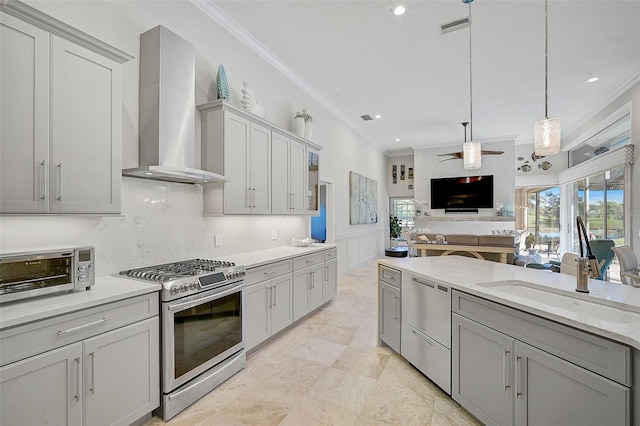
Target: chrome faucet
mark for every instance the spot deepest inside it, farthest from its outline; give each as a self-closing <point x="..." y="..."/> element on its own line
<point x="587" y="265"/>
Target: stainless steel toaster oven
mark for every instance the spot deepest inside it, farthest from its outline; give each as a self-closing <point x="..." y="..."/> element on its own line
<point x="31" y="274"/>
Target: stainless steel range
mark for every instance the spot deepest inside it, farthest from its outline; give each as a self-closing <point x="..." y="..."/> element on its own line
<point x="202" y="327"/>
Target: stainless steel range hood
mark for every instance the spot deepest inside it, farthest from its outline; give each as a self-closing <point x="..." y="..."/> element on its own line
<point x="167" y="110"/>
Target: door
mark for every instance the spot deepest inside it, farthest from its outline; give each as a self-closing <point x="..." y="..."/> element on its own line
<point x="121" y="382"/>
<point x="86" y="116"/>
<point x="316" y="289"/>
<point x="43" y="390"/>
<point x="237" y="191"/>
<point x="331" y="279"/>
<point x="280" y="193"/>
<point x="313" y="181"/>
<point x="281" y="309"/>
<point x="257" y="324"/>
<point x="390" y="315"/>
<point x="260" y="169"/>
<point x="297" y="177"/>
<point x="301" y="287"/>
<point x="482" y="371"/>
<point x="24" y="114"/>
<point x="551" y="391"/>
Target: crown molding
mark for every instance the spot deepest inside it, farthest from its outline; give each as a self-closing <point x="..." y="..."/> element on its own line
<point x="214" y="12"/>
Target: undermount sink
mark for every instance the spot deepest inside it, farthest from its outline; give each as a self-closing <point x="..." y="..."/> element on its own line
<point x="596" y="309"/>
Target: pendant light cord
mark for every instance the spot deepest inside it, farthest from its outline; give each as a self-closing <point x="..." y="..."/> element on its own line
<point x="470" y="80"/>
<point x="546" y="61"/>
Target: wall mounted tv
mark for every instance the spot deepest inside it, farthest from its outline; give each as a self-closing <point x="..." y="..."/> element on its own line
<point x="462" y="194"/>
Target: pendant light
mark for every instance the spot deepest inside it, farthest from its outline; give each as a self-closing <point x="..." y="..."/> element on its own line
<point x="471" y="150"/>
<point x="547" y="138"/>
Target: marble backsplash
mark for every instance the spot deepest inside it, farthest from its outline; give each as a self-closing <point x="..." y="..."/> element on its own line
<point x="160" y="222"/>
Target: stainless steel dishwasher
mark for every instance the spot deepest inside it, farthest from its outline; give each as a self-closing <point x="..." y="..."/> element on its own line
<point x="426" y="328"/>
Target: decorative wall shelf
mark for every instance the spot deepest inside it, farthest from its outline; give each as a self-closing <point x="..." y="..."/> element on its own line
<point x="465" y="218"/>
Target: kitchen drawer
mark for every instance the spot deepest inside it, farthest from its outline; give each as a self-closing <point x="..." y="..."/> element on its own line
<point x="602" y="356"/>
<point x="426" y="305"/>
<point x="307" y="260"/>
<point x="390" y="276"/>
<point x="427" y="355"/>
<point x="330" y="254"/>
<point x="266" y="272"/>
<point x="26" y="340"/>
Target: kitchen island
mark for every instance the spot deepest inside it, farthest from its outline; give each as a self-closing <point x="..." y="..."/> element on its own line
<point x="517" y="346"/>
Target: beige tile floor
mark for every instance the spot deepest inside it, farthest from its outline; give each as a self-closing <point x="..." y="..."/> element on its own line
<point x="328" y="370"/>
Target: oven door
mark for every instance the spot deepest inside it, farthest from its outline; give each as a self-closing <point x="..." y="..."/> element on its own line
<point x="200" y="331"/>
<point x="32" y="275"/>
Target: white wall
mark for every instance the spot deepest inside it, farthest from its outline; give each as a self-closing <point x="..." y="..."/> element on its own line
<point x="162" y="221"/>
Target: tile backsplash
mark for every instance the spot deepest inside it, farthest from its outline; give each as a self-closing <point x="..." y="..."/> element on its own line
<point x="160" y="222"/>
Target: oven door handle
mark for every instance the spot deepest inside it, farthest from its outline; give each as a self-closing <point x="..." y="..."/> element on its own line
<point x="209" y="298"/>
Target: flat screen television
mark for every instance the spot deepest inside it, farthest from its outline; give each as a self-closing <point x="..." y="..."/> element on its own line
<point x="462" y="193"/>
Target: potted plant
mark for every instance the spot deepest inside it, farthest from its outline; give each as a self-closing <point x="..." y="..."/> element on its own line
<point x="395" y="230"/>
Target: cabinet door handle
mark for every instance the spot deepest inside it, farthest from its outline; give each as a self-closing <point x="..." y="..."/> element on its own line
<point x="505" y="363"/>
<point x="80" y="327"/>
<point x="249" y="197"/>
<point x="59" y="169"/>
<point x="518" y="377"/>
<point x="313" y="279"/>
<point x="423" y="337"/>
<point x="92" y="389"/>
<point x="293" y="201"/>
<point x="395" y="308"/>
<point x="254" y="197"/>
<point x="270" y="304"/>
<point x="275" y="295"/>
<point x="326" y="268"/>
<point x="77" y="395"/>
<point x="42" y="179"/>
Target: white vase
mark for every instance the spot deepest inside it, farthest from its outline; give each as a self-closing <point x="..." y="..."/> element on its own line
<point x="308" y="124"/>
<point x="307" y="130"/>
<point x="298" y="125"/>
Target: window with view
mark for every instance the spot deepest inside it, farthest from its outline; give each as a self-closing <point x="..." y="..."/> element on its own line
<point x="404" y="209"/>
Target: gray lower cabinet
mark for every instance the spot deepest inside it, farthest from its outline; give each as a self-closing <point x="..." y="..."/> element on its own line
<point x="330" y="279"/>
<point x="104" y="374"/>
<point x="503" y="381"/>
<point x="308" y="293"/>
<point x="389" y="327"/>
<point x="110" y="379"/>
<point x="269" y="309"/>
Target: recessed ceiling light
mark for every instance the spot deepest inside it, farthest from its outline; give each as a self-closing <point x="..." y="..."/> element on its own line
<point x="377" y="116"/>
<point x="397" y="139"/>
<point x="592" y="79"/>
<point x="398" y="10"/>
<point x="148" y="173"/>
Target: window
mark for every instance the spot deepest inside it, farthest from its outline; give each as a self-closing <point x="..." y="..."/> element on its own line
<point x="404" y="209"/>
<point x="600" y="202"/>
<point x="543" y="221"/>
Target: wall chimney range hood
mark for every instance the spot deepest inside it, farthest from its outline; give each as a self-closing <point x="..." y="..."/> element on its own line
<point x="167" y="110"/>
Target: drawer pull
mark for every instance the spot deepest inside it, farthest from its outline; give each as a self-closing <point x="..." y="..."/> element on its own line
<point x="274" y="271"/>
<point x="423" y="337"/>
<point x="80" y="327"/>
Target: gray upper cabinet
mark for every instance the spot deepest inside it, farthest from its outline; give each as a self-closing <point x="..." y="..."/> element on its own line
<point x="267" y="166"/>
<point x="61" y="114"/>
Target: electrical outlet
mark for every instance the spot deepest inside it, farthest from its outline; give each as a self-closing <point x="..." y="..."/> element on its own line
<point x="217" y="240"/>
<point x="274" y="234"/>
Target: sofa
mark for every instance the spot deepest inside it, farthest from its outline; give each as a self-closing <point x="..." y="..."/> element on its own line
<point x="468" y="240"/>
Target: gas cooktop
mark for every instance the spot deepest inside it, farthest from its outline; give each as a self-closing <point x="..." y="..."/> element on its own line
<point x="188" y="277"/>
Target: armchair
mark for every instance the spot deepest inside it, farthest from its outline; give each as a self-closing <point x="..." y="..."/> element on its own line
<point x="629" y="272"/>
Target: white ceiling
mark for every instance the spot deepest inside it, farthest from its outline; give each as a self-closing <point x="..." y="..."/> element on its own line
<point x="364" y="60"/>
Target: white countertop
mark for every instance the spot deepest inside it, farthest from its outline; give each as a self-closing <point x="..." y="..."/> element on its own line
<point x="464" y="274"/>
<point x="106" y="289"/>
<point x="256" y="258"/>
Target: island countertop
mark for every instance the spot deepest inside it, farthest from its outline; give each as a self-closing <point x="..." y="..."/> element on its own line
<point x="465" y="274"/>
